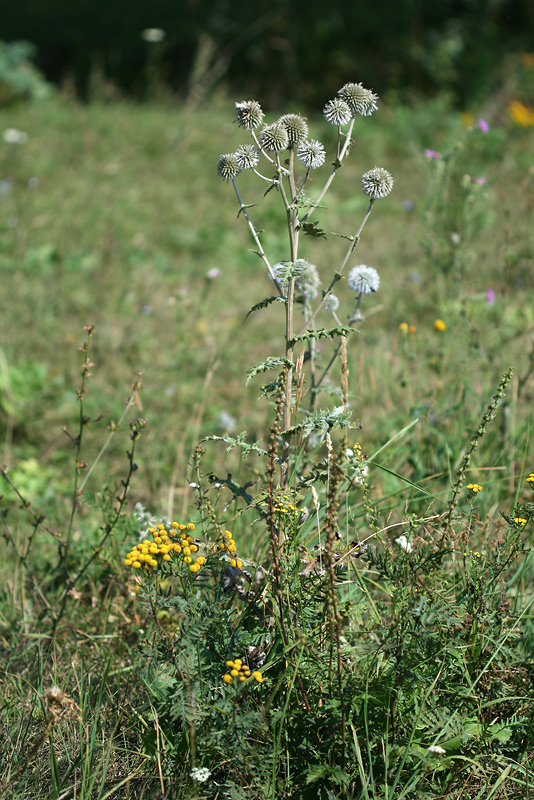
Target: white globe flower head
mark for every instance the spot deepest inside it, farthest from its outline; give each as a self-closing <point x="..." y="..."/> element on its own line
<point x="247" y="156"/>
<point x="363" y="279"/>
<point x="331" y="303"/>
<point x="337" y="112"/>
<point x="311" y="154"/>
<point x="377" y="183"/>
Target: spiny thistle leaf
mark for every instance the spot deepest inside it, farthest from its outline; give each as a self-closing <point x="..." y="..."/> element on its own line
<point x="323" y="333"/>
<point x="263" y="304"/>
<point x="269" y="363"/>
<point x="322" y="422"/>
<point x="246" y="447"/>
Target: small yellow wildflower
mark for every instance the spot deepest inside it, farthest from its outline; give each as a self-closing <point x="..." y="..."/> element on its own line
<point x="227" y="678"/>
<point x="474" y="487"/>
<point x="403" y="327"/>
<point x="530" y="478"/>
<point x="520" y="521"/>
<point x="257" y="677"/>
<point x="440" y="326"/>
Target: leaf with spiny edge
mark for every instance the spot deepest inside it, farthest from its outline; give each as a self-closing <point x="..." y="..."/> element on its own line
<point x="323" y="333"/>
<point x="269" y="363"/>
<point x="264" y="304"/>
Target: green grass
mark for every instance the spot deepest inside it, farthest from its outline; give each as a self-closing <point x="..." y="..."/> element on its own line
<point x="120" y="230"/>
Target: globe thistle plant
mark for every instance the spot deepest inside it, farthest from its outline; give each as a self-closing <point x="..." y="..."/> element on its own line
<point x="360" y="100"/>
<point x="247" y="156"/>
<point x="307" y="281"/>
<point x="249" y="114"/>
<point x="273" y="138"/>
<point x="337" y="112"/>
<point x="331" y="303"/>
<point x="295" y="278"/>
<point x="228" y="167"/>
<point x="363" y="279"/>
<point x="377" y="183"/>
<point x="311" y="154"/>
<point x="296" y="128"/>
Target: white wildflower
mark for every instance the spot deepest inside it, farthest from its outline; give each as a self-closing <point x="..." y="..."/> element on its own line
<point x="200" y="774"/>
<point x="403" y="542"/>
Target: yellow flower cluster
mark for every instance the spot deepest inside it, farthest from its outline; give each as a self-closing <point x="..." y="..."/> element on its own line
<point x="228" y="544"/>
<point x="520" y="521"/>
<point x="521" y="115"/>
<point x="285" y="507"/>
<point x="238" y="669"/>
<point x="530" y="479"/>
<point x="474" y="487"/>
<point x="177" y="542"/>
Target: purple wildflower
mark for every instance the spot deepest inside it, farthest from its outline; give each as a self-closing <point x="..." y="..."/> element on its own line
<point x="432" y="154"/>
<point x="490" y="297"/>
<point x="483" y="125"/>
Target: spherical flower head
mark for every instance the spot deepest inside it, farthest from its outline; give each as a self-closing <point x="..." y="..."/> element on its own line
<point x="530" y="479"/>
<point x="274" y="138"/>
<point x="307" y="281"/>
<point x="249" y="114"/>
<point x="337" y="112"/>
<point x="377" y="183"/>
<point x="360" y="100"/>
<point x="228" y="167"/>
<point x="331" y="303"/>
<point x="247" y="156"/>
<point x="440" y="326"/>
<point x="296" y="128"/>
<point x="363" y="279"/>
<point x="311" y="154"/>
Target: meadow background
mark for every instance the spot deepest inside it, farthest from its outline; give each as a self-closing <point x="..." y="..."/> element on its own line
<point x="112" y="215"/>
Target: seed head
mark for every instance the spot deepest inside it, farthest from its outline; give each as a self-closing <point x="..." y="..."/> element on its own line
<point x="363" y="279"/>
<point x="274" y="138"/>
<point x="296" y="127"/>
<point x="359" y="100"/>
<point x="311" y="154"/>
<point x="377" y="183"/>
<point x="247" y="156"/>
<point x="337" y="112"/>
<point x="249" y="114"/>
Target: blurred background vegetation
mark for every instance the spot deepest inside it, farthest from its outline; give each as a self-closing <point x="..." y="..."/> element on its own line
<point x="307" y="46"/>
